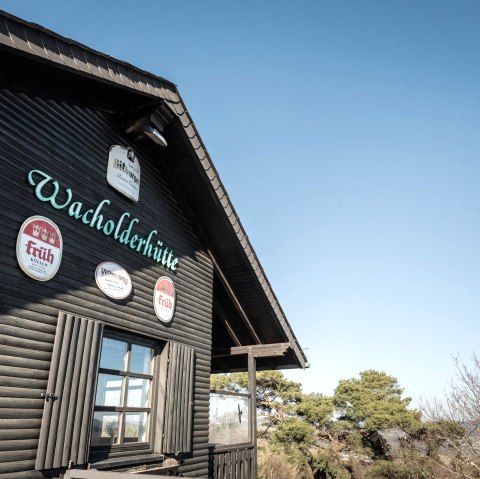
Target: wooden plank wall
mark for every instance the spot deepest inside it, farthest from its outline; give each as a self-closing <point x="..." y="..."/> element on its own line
<point x="71" y="144"/>
<point x="234" y="463"/>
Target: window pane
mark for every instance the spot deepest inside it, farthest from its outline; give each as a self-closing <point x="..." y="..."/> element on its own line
<point x="228" y="419"/>
<point x="136" y="427"/>
<point x="113" y="354"/>
<point x="109" y="390"/>
<point x="141" y="359"/>
<point x="105" y="428"/>
<point x="137" y="394"/>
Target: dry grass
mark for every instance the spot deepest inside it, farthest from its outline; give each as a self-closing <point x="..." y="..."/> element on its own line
<point x="274" y="465"/>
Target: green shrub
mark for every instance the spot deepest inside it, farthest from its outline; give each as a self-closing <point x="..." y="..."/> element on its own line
<point x="390" y="470"/>
<point x="328" y="463"/>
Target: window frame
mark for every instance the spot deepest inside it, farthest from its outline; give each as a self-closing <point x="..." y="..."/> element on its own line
<point x="249" y="441"/>
<point x="101" y="450"/>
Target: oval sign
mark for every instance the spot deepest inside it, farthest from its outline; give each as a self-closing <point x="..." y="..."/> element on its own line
<point x="123" y="171"/>
<point x="39" y="248"/>
<point x="164" y="299"/>
<point x="113" y="280"/>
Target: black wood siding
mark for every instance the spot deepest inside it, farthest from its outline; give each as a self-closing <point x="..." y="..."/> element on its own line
<point x="71" y="144"/>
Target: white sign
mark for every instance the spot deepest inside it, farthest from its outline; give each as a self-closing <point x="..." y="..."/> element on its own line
<point x="113" y="280"/>
<point x="123" y="172"/>
<point x="164" y="299"/>
<point x="39" y="248"/>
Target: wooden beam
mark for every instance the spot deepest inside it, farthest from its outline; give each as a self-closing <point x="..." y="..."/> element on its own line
<point x="234" y="298"/>
<point x="220" y="313"/>
<point x="257" y="350"/>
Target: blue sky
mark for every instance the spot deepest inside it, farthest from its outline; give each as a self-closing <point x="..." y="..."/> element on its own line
<point x="347" y="135"/>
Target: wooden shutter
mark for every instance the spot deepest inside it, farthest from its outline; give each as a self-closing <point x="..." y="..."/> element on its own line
<point x="178" y="418"/>
<point x="67" y="416"/>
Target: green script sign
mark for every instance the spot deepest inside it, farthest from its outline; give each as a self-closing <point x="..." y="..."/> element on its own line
<point x="47" y="189"/>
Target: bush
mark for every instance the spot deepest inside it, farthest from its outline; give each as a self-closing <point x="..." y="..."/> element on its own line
<point x="328" y="464"/>
<point x="274" y="464"/>
<point x="390" y="470"/>
<point x="295" y="432"/>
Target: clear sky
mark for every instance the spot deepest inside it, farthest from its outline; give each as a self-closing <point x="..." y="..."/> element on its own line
<point x="347" y="135"/>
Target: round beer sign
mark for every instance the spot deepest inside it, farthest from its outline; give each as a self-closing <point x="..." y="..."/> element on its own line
<point x="39" y="248"/>
<point x="164" y="299"/>
<point x="113" y="280"/>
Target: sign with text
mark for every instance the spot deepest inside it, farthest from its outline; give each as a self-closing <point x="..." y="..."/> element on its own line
<point x="39" y="248"/>
<point x="164" y="299"/>
<point x="113" y="280"/>
<point x="123" y="172"/>
<point x="121" y="228"/>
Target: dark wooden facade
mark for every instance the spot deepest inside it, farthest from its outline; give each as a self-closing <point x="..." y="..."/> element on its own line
<point x="62" y="107"/>
<point x="62" y="140"/>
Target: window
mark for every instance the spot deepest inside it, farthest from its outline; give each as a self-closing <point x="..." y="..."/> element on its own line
<point x="123" y="403"/>
<point x="123" y="415"/>
<point x="229" y="418"/>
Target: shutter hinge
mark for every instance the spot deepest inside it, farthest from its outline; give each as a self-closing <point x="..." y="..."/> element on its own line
<point x="49" y="396"/>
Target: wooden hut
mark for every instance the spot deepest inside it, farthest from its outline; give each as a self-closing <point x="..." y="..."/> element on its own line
<point x="126" y="276"/>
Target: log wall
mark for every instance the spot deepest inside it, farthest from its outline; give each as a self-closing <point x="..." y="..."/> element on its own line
<point x="71" y="144"/>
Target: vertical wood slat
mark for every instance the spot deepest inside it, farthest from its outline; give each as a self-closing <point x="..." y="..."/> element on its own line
<point x="66" y="421"/>
<point x="235" y="463"/>
<point x="160" y="399"/>
<point x="189" y="405"/>
<point x="179" y="399"/>
<point x="67" y="397"/>
<point x="252" y="410"/>
<point x="185" y="400"/>
<point x="190" y="378"/>
<point x="52" y="378"/>
<point x="191" y="381"/>
<point x="221" y="467"/>
<point x="178" y="409"/>
<point x="59" y="371"/>
<point x="169" y="400"/>
<point x="70" y="416"/>
<point x="82" y="394"/>
<point x="93" y="356"/>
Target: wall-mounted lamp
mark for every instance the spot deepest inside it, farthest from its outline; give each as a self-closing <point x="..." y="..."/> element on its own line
<point x="154" y="135"/>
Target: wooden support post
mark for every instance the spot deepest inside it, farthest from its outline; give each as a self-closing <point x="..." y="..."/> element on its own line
<point x="252" y="389"/>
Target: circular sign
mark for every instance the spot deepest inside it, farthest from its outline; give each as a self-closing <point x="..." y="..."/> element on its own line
<point x="39" y="248"/>
<point x="164" y="299"/>
<point x="113" y="280"/>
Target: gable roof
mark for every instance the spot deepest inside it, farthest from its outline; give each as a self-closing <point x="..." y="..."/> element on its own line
<point x="27" y="44"/>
